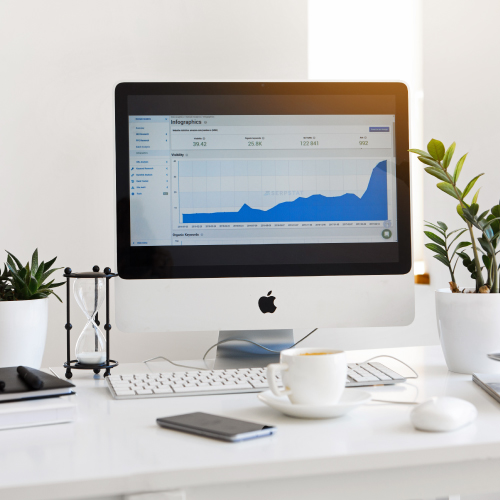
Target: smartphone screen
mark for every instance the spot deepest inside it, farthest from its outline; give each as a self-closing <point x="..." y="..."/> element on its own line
<point x="205" y="424"/>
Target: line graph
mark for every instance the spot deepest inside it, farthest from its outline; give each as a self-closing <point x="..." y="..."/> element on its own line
<point x="316" y="190"/>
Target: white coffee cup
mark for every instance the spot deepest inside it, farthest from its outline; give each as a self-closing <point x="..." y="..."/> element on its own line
<point x="312" y="376"/>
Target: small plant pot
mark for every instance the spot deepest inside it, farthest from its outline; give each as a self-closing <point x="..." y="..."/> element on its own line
<point x="23" y="331"/>
<point x="469" y="330"/>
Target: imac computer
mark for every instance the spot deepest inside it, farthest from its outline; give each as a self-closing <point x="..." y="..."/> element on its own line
<point x="257" y="208"/>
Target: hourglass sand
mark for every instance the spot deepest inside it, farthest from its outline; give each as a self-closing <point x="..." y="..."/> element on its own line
<point x="92" y="349"/>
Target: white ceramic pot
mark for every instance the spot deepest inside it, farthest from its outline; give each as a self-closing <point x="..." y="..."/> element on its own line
<point x="23" y="331"/>
<point x="469" y="330"/>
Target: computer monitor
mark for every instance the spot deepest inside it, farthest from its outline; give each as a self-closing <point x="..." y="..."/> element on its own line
<point x="262" y="207"/>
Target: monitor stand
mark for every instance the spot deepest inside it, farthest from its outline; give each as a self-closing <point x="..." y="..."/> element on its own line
<point x="245" y="355"/>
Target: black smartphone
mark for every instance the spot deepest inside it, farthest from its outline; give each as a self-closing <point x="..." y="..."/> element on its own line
<point x="214" y="426"/>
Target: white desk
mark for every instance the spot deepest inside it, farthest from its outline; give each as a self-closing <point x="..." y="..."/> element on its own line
<point x="115" y="448"/>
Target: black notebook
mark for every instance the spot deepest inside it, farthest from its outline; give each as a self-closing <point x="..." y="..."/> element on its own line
<point x="17" y="389"/>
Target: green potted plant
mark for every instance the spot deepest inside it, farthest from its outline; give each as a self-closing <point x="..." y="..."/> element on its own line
<point x="468" y="318"/>
<point x="24" y="292"/>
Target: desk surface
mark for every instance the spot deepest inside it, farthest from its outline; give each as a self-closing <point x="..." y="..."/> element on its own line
<point x="115" y="447"/>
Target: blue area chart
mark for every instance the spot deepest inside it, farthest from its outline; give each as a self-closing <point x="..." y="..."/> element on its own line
<point x="347" y="207"/>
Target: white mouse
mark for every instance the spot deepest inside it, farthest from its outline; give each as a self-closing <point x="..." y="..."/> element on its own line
<point x="443" y="414"/>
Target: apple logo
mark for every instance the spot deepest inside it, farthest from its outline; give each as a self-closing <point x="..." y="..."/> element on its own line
<point x="266" y="303"/>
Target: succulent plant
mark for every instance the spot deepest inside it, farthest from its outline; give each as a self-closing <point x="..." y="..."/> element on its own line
<point x="18" y="282"/>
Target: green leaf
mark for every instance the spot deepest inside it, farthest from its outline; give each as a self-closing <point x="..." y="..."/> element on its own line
<point x="442" y="259"/>
<point x="462" y="244"/>
<point x="420" y="152"/>
<point x="483" y="215"/>
<point x="486" y="261"/>
<point x="436" y="248"/>
<point x="48" y="273"/>
<point x="437" y="172"/>
<point x="436" y="149"/>
<point x="448" y="156"/>
<point x="448" y="189"/>
<point x="489" y="221"/>
<point x="470" y="185"/>
<point x="39" y="273"/>
<point x="432" y="226"/>
<point x="34" y="261"/>
<point x="496" y="210"/>
<point x="33" y="285"/>
<point x="55" y="285"/>
<point x="19" y="265"/>
<point x="473" y="209"/>
<point x="435" y="238"/>
<point x="474" y="199"/>
<point x="48" y="265"/>
<point x="488" y="232"/>
<point x="442" y="225"/>
<point x="462" y="231"/>
<point x="484" y="243"/>
<point x="458" y="168"/>
<point x="20" y="284"/>
<point x="431" y="162"/>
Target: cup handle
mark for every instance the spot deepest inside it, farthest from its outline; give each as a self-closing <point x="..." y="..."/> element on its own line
<point x="272" y="371"/>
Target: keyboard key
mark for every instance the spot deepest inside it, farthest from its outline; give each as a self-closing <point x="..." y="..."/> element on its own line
<point x="125" y="392"/>
<point x="259" y="385"/>
<point x="192" y="388"/>
<point x="242" y="385"/>
<point x="387" y="371"/>
<point x="163" y="390"/>
<point x="380" y="375"/>
<point x="142" y="392"/>
<point x="357" y="377"/>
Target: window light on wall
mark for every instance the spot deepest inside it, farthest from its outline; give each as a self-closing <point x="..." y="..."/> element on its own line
<point x="374" y="41"/>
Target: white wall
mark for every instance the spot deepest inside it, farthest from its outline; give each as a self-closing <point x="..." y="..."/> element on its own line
<point x="373" y="41"/>
<point x="380" y="41"/>
<point x="462" y="104"/>
<point x="59" y="63"/>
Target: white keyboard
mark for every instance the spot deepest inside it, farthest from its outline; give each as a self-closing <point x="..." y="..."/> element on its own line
<point x="205" y="382"/>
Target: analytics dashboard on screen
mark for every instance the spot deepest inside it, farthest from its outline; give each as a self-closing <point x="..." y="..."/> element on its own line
<point x="262" y="179"/>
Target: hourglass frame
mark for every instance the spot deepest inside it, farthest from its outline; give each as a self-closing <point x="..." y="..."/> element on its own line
<point x="71" y="364"/>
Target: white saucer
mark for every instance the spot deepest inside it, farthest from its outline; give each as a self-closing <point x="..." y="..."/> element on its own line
<point x="350" y="399"/>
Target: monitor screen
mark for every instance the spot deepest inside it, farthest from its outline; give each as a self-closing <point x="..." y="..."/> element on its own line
<point x="262" y="179"/>
<point x="228" y="180"/>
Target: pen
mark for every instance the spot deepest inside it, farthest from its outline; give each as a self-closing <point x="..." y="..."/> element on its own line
<point x="34" y="381"/>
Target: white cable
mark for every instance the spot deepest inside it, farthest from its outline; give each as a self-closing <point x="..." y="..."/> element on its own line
<point x="256" y="344"/>
<point x="397" y="359"/>
<point x="222" y="342"/>
<point x="396" y="402"/>
<point x="176" y="364"/>
<point x="408" y="366"/>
